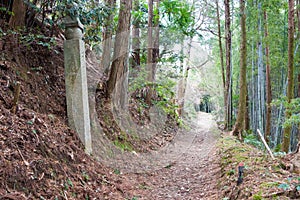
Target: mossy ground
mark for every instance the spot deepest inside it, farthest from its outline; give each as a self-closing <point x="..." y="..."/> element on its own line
<point x="263" y="177"/>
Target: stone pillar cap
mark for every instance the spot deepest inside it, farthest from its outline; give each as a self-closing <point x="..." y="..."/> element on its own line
<point x="71" y="22"/>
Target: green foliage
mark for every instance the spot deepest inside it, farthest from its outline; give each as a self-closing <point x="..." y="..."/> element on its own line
<point x="163" y="96"/>
<point x="68" y="184"/>
<point x="30" y="39"/>
<point x="85" y="176"/>
<point x="269" y="184"/>
<point x="92" y="15"/>
<point x="292" y="107"/>
<point x="122" y="142"/>
<point x="117" y="171"/>
<point x="258" y="196"/>
<point x="179" y="16"/>
<point x="278" y="148"/>
<point x="292" y="183"/>
<point x="5" y="10"/>
<point x="230" y="172"/>
<point x="253" y="140"/>
<point x="123" y="145"/>
<point x="140" y="16"/>
<point x="171" y="57"/>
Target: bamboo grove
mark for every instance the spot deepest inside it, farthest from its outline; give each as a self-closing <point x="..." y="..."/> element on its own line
<point x="264" y="50"/>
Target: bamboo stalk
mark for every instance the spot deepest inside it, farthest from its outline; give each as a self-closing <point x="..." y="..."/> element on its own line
<point x="266" y="145"/>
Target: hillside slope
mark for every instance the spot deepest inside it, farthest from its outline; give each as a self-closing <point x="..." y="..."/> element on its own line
<point x="40" y="157"/>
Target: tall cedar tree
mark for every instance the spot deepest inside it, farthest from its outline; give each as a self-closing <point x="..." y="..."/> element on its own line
<point x="290" y="87"/>
<point x="239" y="125"/>
<point x="119" y="64"/>
<point x="228" y="64"/>
<point x="268" y="82"/>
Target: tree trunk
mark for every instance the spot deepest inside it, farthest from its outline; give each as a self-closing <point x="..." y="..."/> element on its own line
<point x="298" y="96"/>
<point x="268" y="84"/>
<point x="228" y="64"/>
<point x="150" y="76"/>
<point x="156" y="38"/>
<point x="17" y="20"/>
<point x="186" y="75"/>
<point x="136" y="38"/>
<point x="150" y="41"/>
<point x="247" y="119"/>
<point x="180" y="92"/>
<point x="239" y="125"/>
<point x="261" y="73"/>
<point x="290" y="87"/>
<point x="253" y="89"/>
<point x="107" y="38"/>
<point x="221" y="51"/>
<point x="117" y="79"/>
<point x="298" y="18"/>
<point x="153" y="47"/>
<point x="297" y="61"/>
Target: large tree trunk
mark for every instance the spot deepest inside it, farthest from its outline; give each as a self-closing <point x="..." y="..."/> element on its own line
<point x="239" y="125"/>
<point x="290" y="87"/>
<point x="17" y="20"/>
<point x="268" y="84"/>
<point x="228" y="87"/>
<point x="107" y="38"/>
<point x="117" y="82"/>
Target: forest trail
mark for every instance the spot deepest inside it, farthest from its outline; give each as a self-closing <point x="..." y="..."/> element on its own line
<point x="194" y="175"/>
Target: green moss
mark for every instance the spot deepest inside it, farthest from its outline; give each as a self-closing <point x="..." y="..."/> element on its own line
<point x="258" y="196"/>
<point x="123" y="145"/>
<point x="269" y="185"/>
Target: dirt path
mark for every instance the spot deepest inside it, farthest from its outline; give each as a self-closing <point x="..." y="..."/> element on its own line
<point x="194" y="175"/>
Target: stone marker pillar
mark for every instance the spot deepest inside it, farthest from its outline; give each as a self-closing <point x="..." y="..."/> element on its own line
<point x="76" y="82"/>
